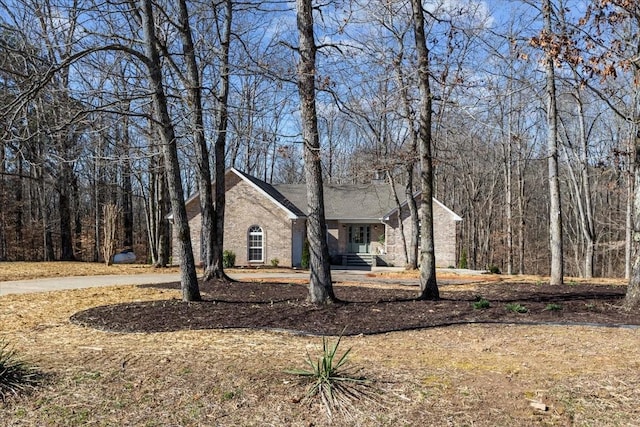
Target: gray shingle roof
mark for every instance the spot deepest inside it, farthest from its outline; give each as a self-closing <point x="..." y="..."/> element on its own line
<point x="342" y="202"/>
<point x="347" y="202"/>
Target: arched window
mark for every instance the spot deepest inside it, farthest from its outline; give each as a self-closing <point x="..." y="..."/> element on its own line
<point x="256" y="244"/>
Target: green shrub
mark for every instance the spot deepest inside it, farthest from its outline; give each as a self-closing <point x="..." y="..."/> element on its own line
<point x="329" y="380"/>
<point x="228" y="259"/>
<point x="494" y="269"/>
<point x="16" y="376"/>
<point x="275" y="262"/>
<point x="304" y="262"/>
<point x="481" y="304"/>
<point x="463" y="259"/>
<point x="553" y="307"/>
<point x="516" y="307"/>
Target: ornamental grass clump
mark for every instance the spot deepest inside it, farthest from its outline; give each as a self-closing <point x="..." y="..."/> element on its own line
<point x="553" y="307"/>
<point x="481" y="304"/>
<point x="516" y="308"/>
<point x="16" y="375"/>
<point x="330" y="381"/>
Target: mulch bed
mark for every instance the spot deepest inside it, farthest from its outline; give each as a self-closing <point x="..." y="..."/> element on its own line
<point x="364" y="310"/>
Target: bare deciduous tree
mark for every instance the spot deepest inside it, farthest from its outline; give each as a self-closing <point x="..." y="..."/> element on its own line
<point x="555" y="210"/>
<point x="320" y="286"/>
<point x="428" y="283"/>
<point x="189" y="279"/>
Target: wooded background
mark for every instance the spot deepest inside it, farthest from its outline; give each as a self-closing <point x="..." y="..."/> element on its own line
<point x="77" y="129"/>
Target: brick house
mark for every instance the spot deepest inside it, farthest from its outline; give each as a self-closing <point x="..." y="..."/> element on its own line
<point x="265" y="222"/>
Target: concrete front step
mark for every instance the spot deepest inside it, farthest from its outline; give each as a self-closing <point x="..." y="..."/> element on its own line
<point x="359" y="260"/>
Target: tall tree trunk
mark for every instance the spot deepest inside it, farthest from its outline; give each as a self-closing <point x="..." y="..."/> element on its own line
<point x="217" y="268"/>
<point x="77" y="218"/>
<point x="150" y="209"/>
<point x="48" y="252"/>
<point x="585" y="207"/>
<point x="157" y="206"/>
<point x="97" y="181"/>
<point x="428" y="284"/>
<point x="203" y="171"/>
<point x="127" y="191"/>
<point x="3" y="223"/>
<point x="320" y="286"/>
<point x="47" y="238"/>
<point x="189" y="279"/>
<point x="508" y="190"/>
<point x="410" y="162"/>
<point x="508" y="205"/>
<point x="520" y="171"/>
<point x="628" y="228"/>
<point x="414" y="215"/>
<point x="632" y="298"/>
<point x="555" y="210"/>
<point x="164" y="227"/>
<point x="19" y="218"/>
<point x="630" y="180"/>
<point x="66" y="241"/>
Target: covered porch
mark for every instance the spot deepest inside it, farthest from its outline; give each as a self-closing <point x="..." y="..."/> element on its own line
<point x="356" y="243"/>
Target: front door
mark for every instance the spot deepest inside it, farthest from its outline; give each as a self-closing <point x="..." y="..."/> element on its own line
<point x="296" y="249"/>
<point x="359" y="238"/>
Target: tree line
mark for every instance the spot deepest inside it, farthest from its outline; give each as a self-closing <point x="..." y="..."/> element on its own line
<point x="521" y="116"/>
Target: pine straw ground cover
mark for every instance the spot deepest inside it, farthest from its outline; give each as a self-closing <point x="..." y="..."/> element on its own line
<point x="483" y="375"/>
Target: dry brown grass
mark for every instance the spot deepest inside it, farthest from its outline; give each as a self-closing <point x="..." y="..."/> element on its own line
<point x="450" y="274"/>
<point x="462" y="375"/>
<point x="38" y="270"/>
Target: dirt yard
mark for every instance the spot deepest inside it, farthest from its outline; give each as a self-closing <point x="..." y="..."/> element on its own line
<point x="193" y="372"/>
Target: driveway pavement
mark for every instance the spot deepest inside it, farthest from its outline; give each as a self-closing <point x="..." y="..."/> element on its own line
<point x="62" y="283"/>
<point x="78" y="282"/>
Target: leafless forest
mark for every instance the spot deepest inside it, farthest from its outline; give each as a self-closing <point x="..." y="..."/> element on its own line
<point x="93" y="92"/>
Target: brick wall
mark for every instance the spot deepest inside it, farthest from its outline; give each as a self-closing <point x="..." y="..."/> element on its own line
<point x="246" y="207"/>
<point x="444" y="233"/>
<point x="444" y="229"/>
<point x="336" y="239"/>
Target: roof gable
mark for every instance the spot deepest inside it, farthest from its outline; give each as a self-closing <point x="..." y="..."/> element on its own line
<point x="270" y="193"/>
<point x="454" y="216"/>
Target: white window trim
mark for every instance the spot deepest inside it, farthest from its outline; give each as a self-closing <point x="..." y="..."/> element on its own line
<point x="261" y="233"/>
